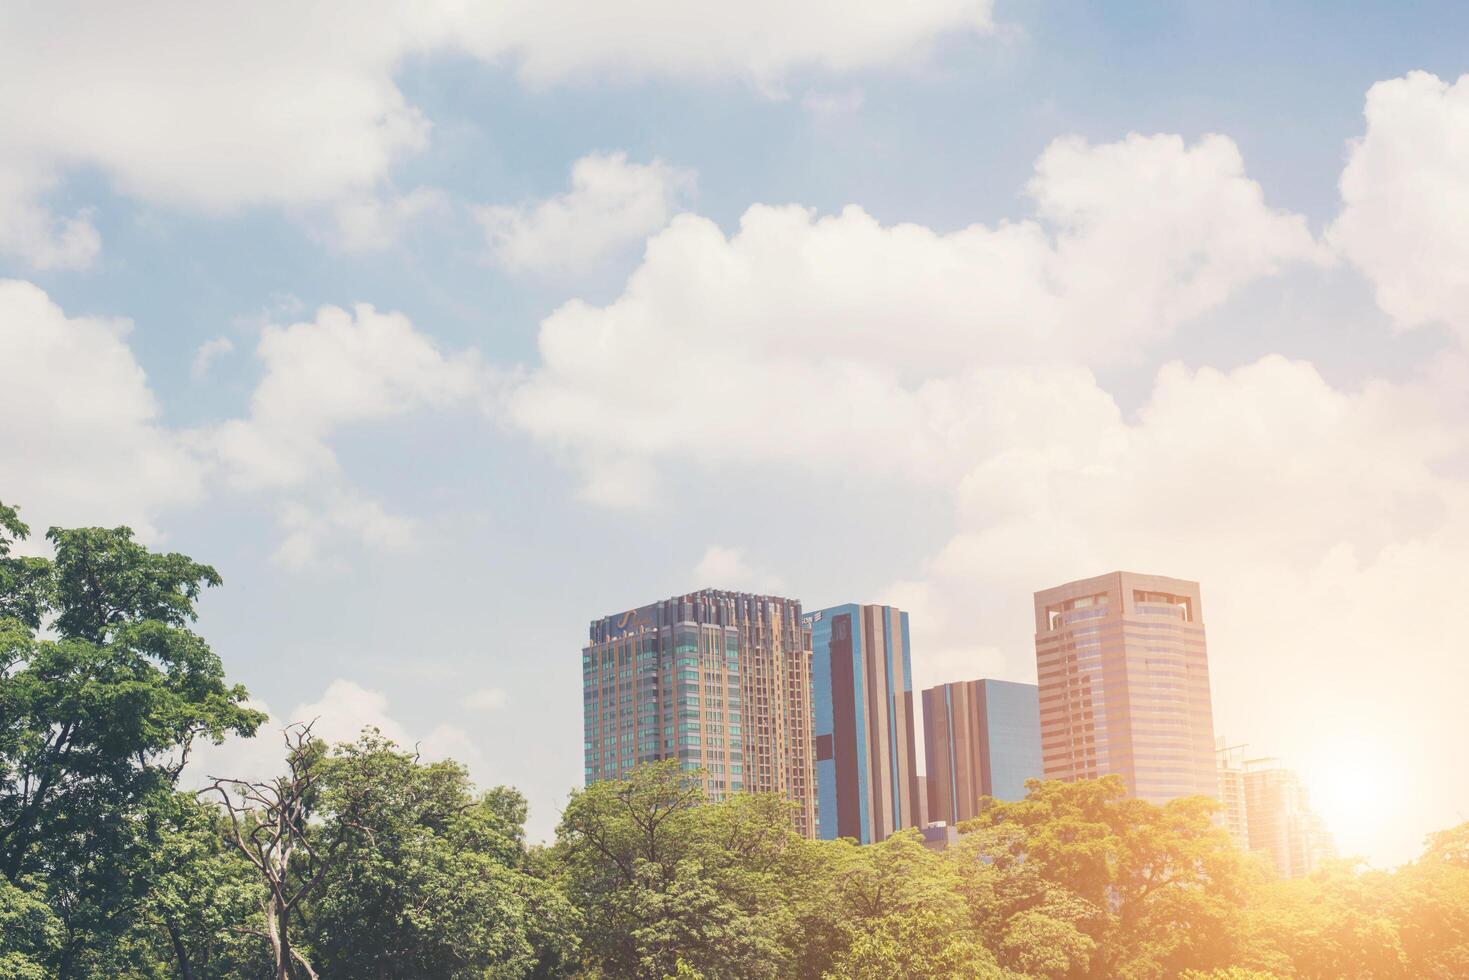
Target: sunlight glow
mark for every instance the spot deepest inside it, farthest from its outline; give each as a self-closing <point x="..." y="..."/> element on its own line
<point x="1354" y="786"/>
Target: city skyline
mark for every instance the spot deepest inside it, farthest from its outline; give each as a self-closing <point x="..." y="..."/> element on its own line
<point x="689" y="679"/>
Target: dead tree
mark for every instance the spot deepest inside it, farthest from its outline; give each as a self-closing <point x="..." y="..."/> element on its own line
<point x="267" y="823"/>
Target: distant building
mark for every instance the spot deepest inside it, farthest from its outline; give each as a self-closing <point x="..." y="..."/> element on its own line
<point x="939" y="836"/>
<point x="1282" y="824"/>
<point x="1124" y="684"/>
<point x="981" y="738"/>
<point x="1233" y="812"/>
<point x="718" y="680"/>
<point x="862" y="697"/>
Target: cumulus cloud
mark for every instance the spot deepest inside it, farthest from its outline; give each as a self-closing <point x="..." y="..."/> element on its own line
<point x="342" y="368"/>
<point x="841" y="333"/>
<point x="216" y="106"/>
<point x="86" y="441"/>
<point x="612" y="203"/>
<point x="1404" y="193"/>
<point x="83" y="440"/>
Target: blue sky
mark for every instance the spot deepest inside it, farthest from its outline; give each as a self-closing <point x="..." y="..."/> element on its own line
<point x="1194" y="352"/>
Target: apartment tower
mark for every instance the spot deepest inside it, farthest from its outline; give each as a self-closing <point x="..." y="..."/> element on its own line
<point x="1233" y="811"/>
<point x="980" y="738"/>
<point x="862" y="697"/>
<point x="719" y="680"/>
<point x="1282" y="824"/>
<point x="1124" y="684"/>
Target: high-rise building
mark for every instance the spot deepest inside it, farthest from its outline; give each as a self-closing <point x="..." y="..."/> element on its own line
<point x="862" y="697"/>
<point x="718" y="680"/>
<point x="980" y="738"/>
<point x="1124" y="684"/>
<point x="1233" y="811"/>
<point x="1282" y="824"/>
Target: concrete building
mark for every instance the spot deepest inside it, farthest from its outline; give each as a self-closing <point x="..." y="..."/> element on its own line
<point x="862" y="697"/>
<point x="980" y="738"/>
<point x="1124" y="684"/>
<point x="1282" y="824"/>
<point x="1233" y="813"/>
<point x="718" y="680"/>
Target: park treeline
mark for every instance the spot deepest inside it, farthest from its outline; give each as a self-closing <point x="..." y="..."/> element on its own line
<point x="362" y="861"/>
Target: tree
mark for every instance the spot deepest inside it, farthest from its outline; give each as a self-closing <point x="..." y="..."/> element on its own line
<point x="914" y="945"/>
<point x="1157" y="889"/>
<point x="200" y="913"/>
<point x="30" y="934"/>
<point x="660" y="876"/>
<point x="430" y="879"/>
<point x="268" y="823"/>
<point x="97" y="718"/>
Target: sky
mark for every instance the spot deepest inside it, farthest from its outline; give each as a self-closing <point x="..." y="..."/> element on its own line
<point x="443" y="329"/>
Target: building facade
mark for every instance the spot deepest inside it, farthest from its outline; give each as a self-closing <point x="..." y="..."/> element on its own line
<point x="980" y="738"/>
<point x="719" y="680"/>
<point x="862" y="696"/>
<point x="1282" y="825"/>
<point x="1124" y="684"/>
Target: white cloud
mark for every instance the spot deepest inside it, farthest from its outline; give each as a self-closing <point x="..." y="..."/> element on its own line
<point x="338" y="715"/>
<point x="343" y="367"/>
<point x="1405" y="192"/>
<point x="611" y="204"/>
<point x="209" y="352"/>
<point x="83" y="441"/>
<point x="762" y="40"/>
<point x="485" y="699"/>
<point x="29" y="229"/>
<point x="86" y="444"/>
<point x="218" y="106"/>
<point x="728" y="568"/>
<point x="841" y="334"/>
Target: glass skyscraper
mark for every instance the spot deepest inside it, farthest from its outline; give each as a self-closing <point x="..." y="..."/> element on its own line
<point x="980" y="738"/>
<point x="862" y="695"/>
<point x="719" y="680"/>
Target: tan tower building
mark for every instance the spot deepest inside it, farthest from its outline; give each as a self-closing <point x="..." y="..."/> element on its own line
<point x="719" y="680"/>
<point x="1124" y="684"/>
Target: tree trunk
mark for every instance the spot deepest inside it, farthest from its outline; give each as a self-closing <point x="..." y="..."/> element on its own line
<point x="280" y="943"/>
<point x="186" y="969"/>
